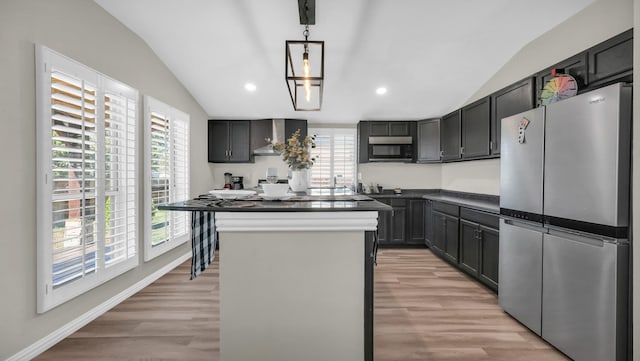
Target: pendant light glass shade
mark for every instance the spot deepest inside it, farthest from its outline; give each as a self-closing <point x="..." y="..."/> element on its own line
<point x="305" y="73"/>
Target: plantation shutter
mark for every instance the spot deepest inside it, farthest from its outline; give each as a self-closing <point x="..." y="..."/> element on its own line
<point x="119" y="180"/>
<point x="86" y="214"/>
<point x="74" y="178"/>
<point x="167" y="171"/>
<point x="335" y="158"/>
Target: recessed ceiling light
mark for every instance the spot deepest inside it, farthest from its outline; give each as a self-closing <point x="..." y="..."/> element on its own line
<point x="381" y="90"/>
<point x="250" y="87"/>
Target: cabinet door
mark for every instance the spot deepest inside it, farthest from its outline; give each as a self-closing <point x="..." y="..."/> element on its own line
<point x="438" y="242"/>
<point x="506" y="102"/>
<point x="451" y="238"/>
<point x="240" y="141"/>
<point x="475" y="120"/>
<point x="489" y="251"/>
<point x="399" y="129"/>
<point x="399" y="221"/>
<point x="450" y="136"/>
<point x="363" y="142"/>
<point x="612" y="59"/>
<point x="378" y="129"/>
<point x="576" y="66"/>
<point x="429" y="140"/>
<point x="291" y="125"/>
<point x="428" y="223"/>
<point x="218" y="139"/>
<point x="469" y="247"/>
<point x="384" y="225"/>
<point x="261" y="133"/>
<point x="416" y="221"/>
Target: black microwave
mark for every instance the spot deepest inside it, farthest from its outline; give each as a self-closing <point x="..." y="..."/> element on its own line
<point x="390" y="149"/>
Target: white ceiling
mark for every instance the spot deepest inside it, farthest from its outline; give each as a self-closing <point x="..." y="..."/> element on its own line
<point x="432" y="55"/>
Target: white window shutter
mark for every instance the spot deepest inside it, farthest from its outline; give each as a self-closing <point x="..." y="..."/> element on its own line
<point x="335" y="164"/>
<point x="86" y="221"/>
<point x="166" y="176"/>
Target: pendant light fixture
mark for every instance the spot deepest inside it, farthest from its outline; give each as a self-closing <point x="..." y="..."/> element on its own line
<point x="304" y="64"/>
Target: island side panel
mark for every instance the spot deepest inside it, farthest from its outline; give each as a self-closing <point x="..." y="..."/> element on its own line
<point x="291" y="296"/>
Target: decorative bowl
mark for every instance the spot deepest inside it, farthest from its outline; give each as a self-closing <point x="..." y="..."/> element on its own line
<point x="275" y="190"/>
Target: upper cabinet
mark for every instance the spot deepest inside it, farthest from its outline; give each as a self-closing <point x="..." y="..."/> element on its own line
<point x="576" y="66"/>
<point x="428" y="141"/>
<point x="392" y="129"/>
<point x="292" y="125"/>
<point x="611" y="60"/>
<point x="229" y="141"/>
<point x="450" y="136"/>
<point x="475" y="120"/>
<point x="514" y="99"/>
<point x="368" y="129"/>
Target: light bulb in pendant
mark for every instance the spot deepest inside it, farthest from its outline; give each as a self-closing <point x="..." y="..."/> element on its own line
<point x="306" y="72"/>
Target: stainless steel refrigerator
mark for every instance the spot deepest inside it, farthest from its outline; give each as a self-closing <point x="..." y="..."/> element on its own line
<point x="564" y="199"/>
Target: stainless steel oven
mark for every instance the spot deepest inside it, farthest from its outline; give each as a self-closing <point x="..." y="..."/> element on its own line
<point x="390" y="149"/>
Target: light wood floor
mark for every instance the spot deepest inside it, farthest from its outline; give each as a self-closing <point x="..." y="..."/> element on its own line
<point x="424" y="310"/>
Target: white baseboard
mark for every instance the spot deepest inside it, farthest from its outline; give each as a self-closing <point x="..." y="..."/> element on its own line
<point x="58" y="335"/>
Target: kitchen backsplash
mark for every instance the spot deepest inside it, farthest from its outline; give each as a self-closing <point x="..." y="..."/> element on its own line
<point x="401" y="175"/>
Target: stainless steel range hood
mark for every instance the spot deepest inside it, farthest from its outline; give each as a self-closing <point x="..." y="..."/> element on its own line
<point x="277" y="135"/>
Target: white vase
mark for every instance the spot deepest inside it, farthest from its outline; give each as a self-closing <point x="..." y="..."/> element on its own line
<point x="299" y="181"/>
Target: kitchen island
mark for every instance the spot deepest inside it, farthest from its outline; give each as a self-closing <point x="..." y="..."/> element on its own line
<point x="296" y="276"/>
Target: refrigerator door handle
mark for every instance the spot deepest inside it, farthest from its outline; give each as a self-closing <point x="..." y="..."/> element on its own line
<point x="524" y="224"/>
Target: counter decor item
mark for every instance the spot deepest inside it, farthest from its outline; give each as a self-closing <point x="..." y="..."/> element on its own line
<point x="297" y="154"/>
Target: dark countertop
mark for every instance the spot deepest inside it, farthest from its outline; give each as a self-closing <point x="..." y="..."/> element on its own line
<point x="481" y="202"/>
<point x="319" y="201"/>
<point x="406" y="193"/>
<point x="486" y="205"/>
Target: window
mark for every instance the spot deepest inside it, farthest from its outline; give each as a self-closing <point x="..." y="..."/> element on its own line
<point x="167" y="176"/>
<point x="86" y="130"/>
<point x="335" y="154"/>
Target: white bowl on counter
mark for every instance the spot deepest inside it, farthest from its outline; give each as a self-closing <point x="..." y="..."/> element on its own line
<point x="275" y="190"/>
<point x="232" y="193"/>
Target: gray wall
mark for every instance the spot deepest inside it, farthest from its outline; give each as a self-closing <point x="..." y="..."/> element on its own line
<point x="79" y="29"/>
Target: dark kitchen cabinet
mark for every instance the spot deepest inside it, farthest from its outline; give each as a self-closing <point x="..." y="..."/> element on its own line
<point x="489" y="250"/>
<point x="229" y="141"/>
<point x="438" y="240"/>
<point x="475" y="121"/>
<point x="387" y="128"/>
<point x="479" y="246"/>
<point x="428" y="222"/>
<point x="416" y="221"/>
<point x="611" y="60"/>
<point x="384" y="226"/>
<point x="363" y="141"/>
<point x="292" y="125"/>
<point x="451" y="245"/>
<point x="399" y="221"/>
<point x="450" y="136"/>
<point x="445" y="236"/>
<point x="428" y="141"/>
<point x="469" y="247"/>
<point x="576" y="66"/>
<point x="514" y="99"/>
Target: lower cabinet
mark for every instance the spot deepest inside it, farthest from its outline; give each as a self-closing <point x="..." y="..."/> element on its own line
<point x="469" y="241"/>
<point x="416" y="221"/>
<point x="404" y="225"/>
<point x="445" y="237"/>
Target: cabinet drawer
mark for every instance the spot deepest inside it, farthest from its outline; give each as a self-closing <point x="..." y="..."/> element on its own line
<point x="484" y="218"/>
<point x="446" y="208"/>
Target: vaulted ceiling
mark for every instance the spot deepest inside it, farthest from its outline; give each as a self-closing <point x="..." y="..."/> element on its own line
<point x="431" y="55"/>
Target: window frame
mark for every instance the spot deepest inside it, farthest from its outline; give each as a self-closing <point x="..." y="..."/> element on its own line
<point x="49" y="297"/>
<point x="176" y="238"/>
